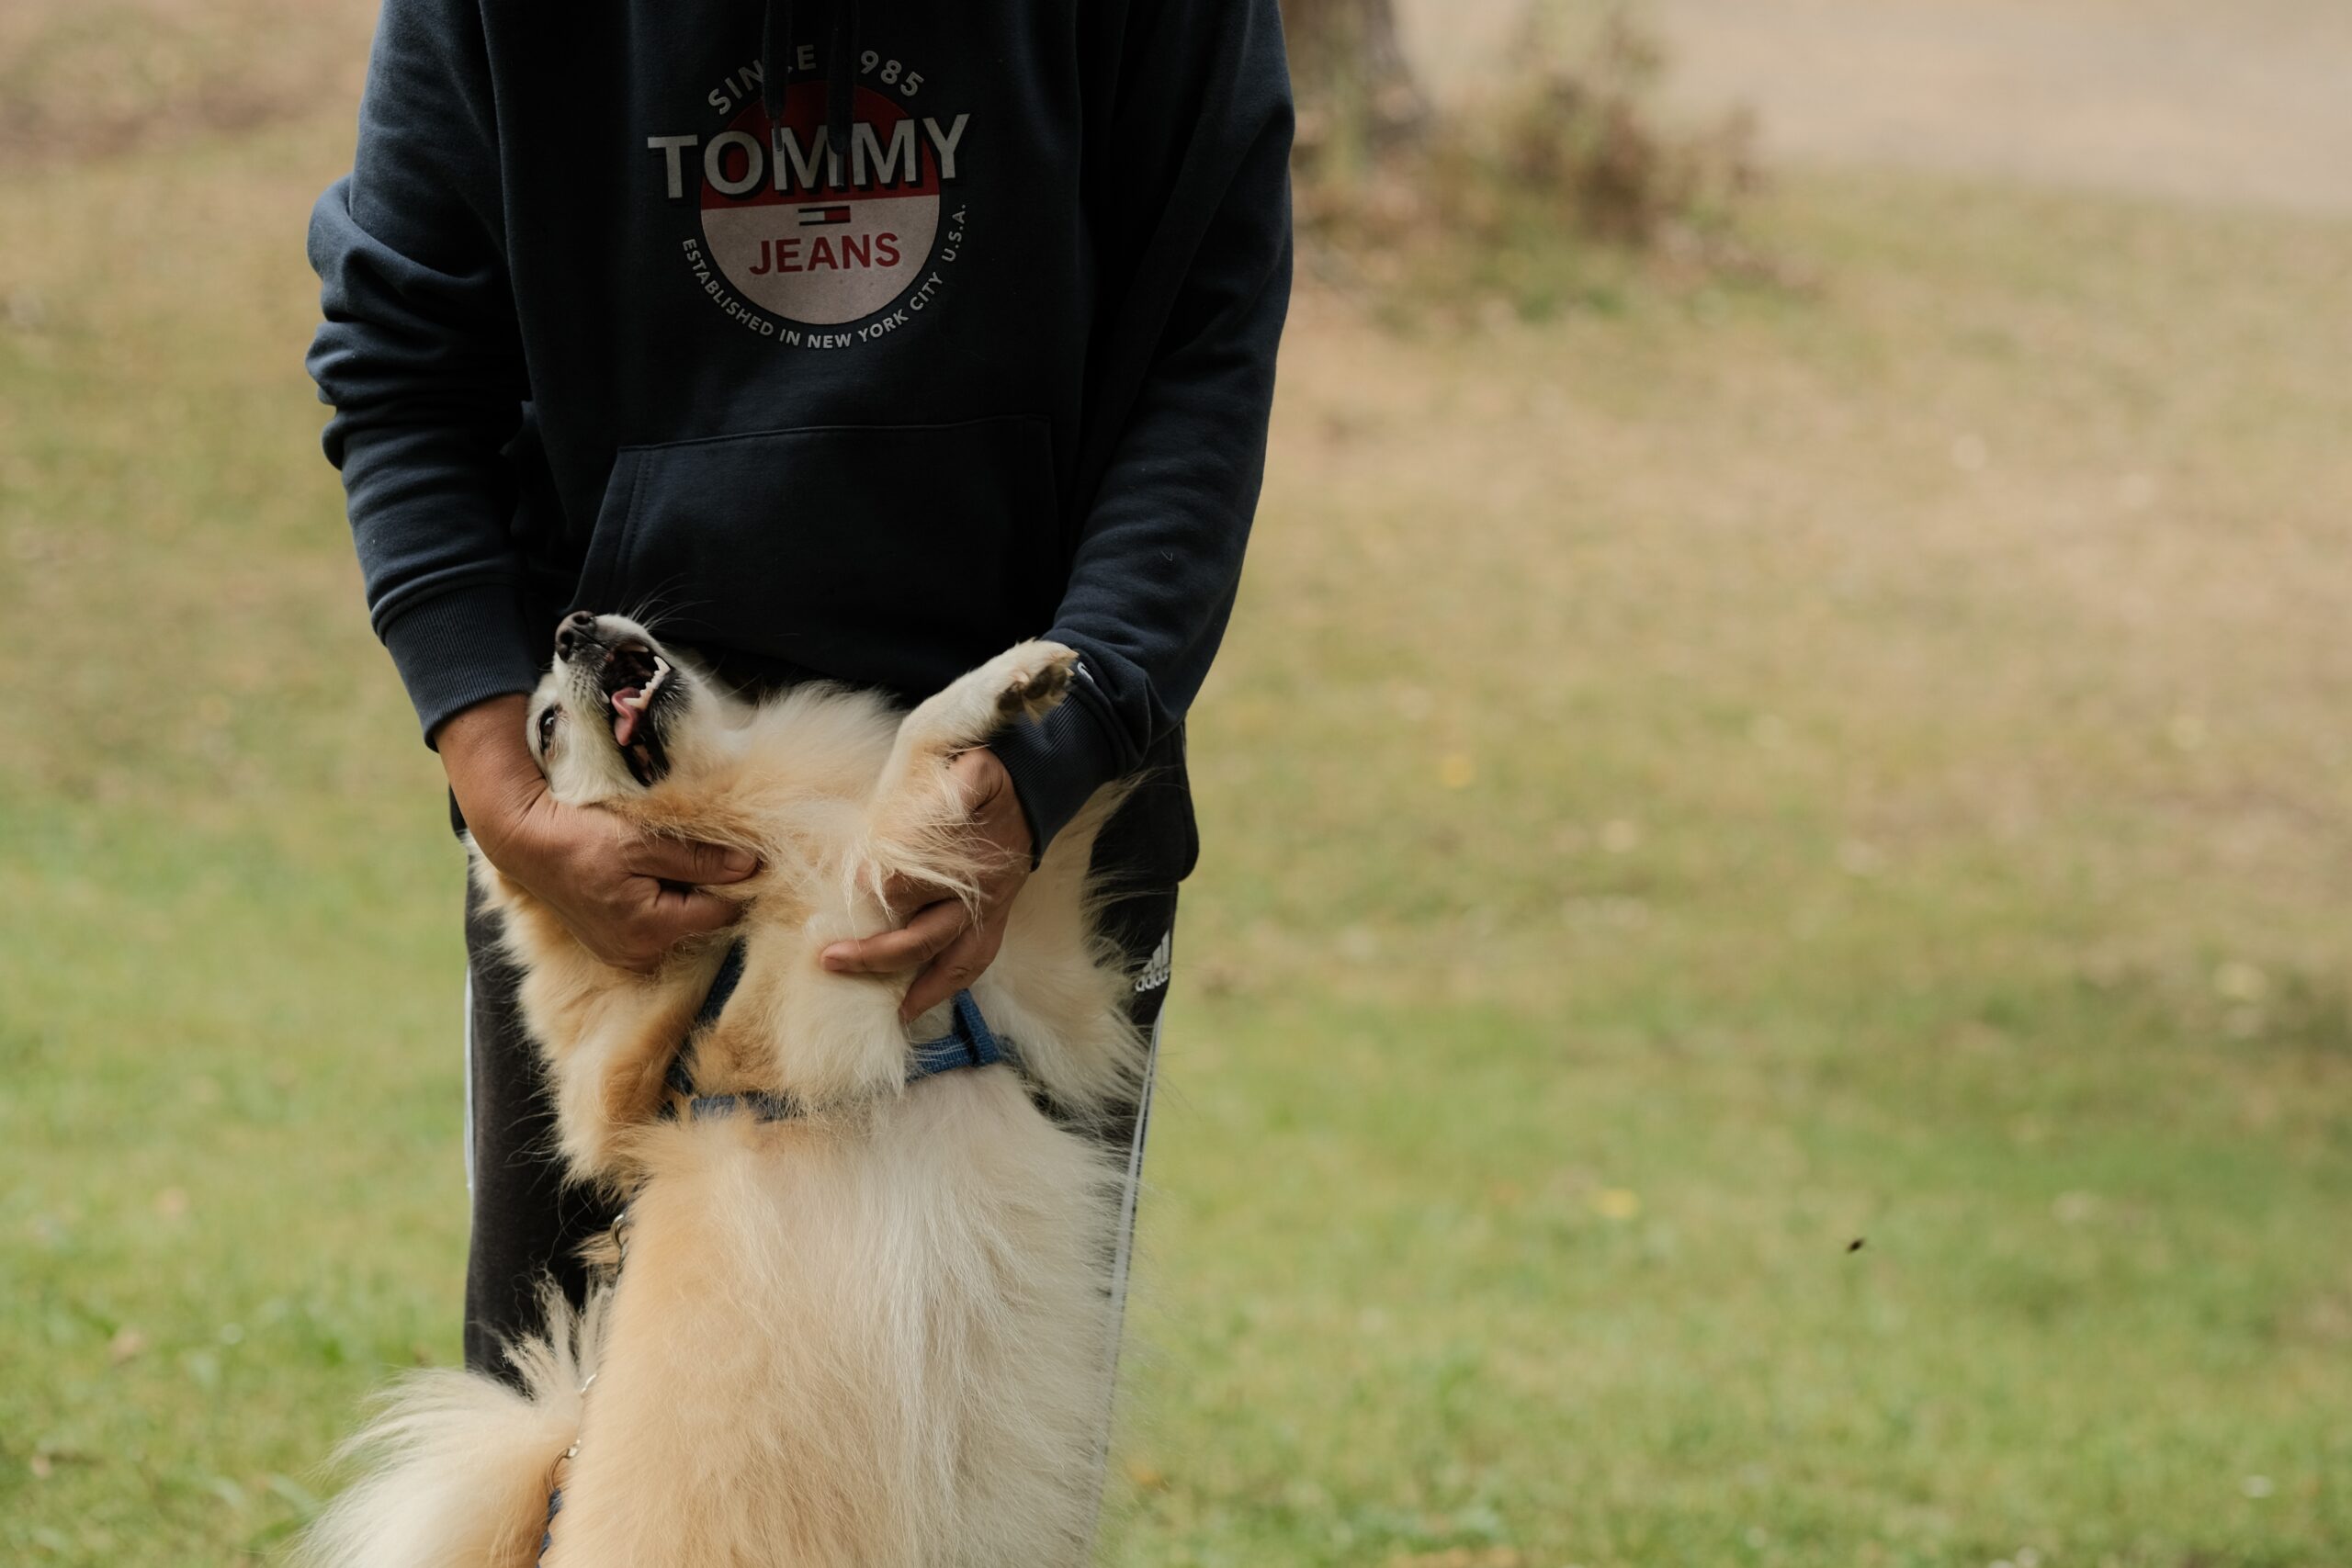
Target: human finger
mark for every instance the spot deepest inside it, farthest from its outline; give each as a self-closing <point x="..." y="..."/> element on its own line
<point x="959" y="963"/>
<point x="622" y="950"/>
<point x="679" y="911"/>
<point x="640" y="937"/>
<point x="904" y="895"/>
<point x="918" y="941"/>
<point x="690" y="861"/>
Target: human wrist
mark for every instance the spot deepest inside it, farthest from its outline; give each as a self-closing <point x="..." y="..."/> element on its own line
<point x="498" y="786"/>
<point x="996" y="805"/>
<point x="1055" y="765"/>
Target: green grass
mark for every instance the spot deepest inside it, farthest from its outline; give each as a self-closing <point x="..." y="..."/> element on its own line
<point x="1688" y="787"/>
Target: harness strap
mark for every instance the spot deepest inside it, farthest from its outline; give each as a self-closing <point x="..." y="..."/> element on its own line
<point x="714" y="1002"/>
<point x="968" y="1042"/>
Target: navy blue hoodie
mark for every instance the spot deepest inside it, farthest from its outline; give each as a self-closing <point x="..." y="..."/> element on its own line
<point x="853" y="342"/>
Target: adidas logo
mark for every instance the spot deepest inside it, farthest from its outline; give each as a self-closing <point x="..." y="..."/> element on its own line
<point x="1155" y="969"/>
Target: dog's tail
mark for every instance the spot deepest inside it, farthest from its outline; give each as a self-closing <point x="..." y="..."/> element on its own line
<point x="459" y="1466"/>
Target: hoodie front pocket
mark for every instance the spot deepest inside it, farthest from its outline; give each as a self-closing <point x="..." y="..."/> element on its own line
<point x="896" y="556"/>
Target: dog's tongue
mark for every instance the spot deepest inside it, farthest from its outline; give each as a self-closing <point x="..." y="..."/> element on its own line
<point x="627" y="714"/>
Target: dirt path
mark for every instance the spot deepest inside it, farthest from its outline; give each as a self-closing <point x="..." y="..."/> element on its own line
<point x="2250" y="102"/>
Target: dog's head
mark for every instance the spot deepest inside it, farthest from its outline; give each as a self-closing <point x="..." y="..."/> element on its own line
<point x="616" y="713"/>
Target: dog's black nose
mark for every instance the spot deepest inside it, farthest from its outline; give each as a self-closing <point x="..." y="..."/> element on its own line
<point x="578" y="628"/>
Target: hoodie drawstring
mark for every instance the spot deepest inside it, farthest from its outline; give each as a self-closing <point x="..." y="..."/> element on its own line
<point x="840" y="69"/>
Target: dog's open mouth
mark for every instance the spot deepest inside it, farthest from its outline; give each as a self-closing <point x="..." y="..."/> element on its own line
<point x="634" y="678"/>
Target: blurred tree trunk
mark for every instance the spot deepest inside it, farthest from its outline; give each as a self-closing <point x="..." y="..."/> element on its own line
<point x="1355" y="87"/>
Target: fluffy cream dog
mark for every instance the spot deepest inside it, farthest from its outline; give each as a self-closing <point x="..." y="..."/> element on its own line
<point x="874" y="1333"/>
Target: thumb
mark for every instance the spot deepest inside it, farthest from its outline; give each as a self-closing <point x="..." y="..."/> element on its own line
<point x="689" y="861"/>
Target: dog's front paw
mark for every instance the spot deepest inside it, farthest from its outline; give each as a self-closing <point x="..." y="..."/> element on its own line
<point x="1036" y="677"/>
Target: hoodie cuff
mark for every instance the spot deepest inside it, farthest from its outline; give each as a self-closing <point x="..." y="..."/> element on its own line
<point x="461" y="648"/>
<point x="1057" y="762"/>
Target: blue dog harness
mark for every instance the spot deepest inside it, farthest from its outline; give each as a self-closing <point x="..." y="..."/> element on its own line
<point x="970" y="1042"/>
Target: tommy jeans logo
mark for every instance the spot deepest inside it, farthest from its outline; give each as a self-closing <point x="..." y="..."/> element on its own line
<point x="796" y="232"/>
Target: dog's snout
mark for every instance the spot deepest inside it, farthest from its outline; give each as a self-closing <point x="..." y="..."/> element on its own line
<point x="578" y="628"/>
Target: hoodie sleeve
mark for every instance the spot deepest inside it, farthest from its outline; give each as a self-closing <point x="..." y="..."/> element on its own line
<point x="420" y="359"/>
<point x="1196" y="237"/>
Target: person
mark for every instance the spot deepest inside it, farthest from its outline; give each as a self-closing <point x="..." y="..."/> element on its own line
<point x="854" y="341"/>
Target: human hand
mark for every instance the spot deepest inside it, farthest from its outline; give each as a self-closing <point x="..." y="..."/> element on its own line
<point x="954" y="943"/>
<point x="629" y="896"/>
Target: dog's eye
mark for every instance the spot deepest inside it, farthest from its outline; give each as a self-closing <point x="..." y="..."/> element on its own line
<point x="547" y="727"/>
